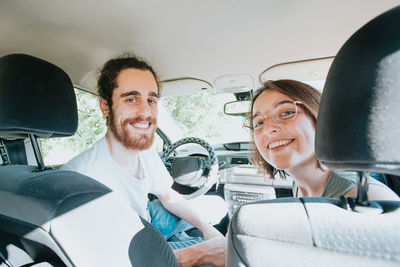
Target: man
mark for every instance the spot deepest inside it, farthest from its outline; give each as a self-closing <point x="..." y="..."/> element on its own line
<point x="125" y="162"/>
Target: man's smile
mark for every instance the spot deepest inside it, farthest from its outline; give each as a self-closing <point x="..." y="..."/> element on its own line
<point x="142" y="125"/>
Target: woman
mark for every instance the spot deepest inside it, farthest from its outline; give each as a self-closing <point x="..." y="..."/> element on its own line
<point x="282" y="123"/>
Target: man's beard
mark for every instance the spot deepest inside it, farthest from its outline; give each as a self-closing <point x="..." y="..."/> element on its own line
<point x="122" y="134"/>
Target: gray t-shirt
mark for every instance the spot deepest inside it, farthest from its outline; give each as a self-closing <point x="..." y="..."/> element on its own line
<point x="339" y="183"/>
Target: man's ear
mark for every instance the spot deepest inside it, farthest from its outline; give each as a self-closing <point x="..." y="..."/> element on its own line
<point x="104" y="106"/>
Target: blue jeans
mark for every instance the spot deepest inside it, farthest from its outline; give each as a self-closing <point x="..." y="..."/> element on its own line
<point x="171" y="227"/>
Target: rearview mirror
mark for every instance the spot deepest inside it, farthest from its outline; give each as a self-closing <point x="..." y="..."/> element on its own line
<point x="237" y="108"/>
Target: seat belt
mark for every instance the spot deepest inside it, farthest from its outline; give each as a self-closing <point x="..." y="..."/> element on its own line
<point x="4" y="154"/>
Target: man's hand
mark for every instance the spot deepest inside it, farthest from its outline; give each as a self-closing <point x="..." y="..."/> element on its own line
<point x="216" y="253"/>
<point x="212" y="251"/>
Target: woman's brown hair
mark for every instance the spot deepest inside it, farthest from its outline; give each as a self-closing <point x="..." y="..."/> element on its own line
<point x="297" y="91"/>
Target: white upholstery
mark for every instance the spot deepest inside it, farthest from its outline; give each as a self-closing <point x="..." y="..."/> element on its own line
<point x="272" y="233"/>
<point x="104" y="227"/>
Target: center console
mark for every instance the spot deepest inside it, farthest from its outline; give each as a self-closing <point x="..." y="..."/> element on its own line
<point x="244" y="184"/>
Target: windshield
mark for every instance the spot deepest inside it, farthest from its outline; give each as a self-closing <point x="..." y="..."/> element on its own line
<point x="202" y="115"/>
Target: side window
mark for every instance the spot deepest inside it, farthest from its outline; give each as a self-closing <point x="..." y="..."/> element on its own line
<point x="158" y="143"/>
<point x="91" y="127"/>
<point x="161" y="141"/>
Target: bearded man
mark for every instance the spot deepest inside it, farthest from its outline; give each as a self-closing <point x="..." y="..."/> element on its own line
<point x="124" y="161"/>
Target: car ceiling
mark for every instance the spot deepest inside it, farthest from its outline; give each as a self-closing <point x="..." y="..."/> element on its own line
<point x="181" y="38"/>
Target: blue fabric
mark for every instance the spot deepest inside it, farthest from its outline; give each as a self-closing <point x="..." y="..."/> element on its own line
<point x="170" y="226"/>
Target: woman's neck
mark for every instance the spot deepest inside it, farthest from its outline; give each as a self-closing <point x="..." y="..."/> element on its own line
<point x="310" y="178"/>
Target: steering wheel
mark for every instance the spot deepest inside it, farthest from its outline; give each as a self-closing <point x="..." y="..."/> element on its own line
<point x="193" y="171"/>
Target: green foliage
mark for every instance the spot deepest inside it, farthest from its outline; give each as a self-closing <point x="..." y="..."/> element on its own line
<point x="201" y="115"/>
<point x="91" y="127"/>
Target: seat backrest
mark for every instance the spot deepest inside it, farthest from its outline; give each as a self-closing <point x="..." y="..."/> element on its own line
<point x="312" y="232"/>
<point x="59" y="217"/>
<point x="357" y="129"/>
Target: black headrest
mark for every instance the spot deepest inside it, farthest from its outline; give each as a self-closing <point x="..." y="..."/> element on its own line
<point x="36" y="97"/>
<point x="358" y="126"/>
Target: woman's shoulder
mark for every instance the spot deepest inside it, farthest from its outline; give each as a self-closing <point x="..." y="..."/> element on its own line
<point x="373" y="178"/>
<point x="343" y="177"/>
<point x="339" y="183"/>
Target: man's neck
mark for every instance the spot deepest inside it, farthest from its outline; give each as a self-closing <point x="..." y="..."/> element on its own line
<point x="126" y="158"/>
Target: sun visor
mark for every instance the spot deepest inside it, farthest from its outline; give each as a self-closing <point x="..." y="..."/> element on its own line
<point x="312" y="71"/>
<point x="234" y="83"/>
<point x="182" y="86"/>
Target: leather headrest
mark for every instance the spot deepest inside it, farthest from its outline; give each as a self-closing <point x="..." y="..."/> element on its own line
<point x="36" y="97"/>
<point x="358" y="124"/>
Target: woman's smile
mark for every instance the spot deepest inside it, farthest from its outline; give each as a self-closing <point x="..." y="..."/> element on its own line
<point x="276" y="145"/>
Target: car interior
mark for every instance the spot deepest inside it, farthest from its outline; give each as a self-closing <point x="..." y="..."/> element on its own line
<point x="211" y="57"/>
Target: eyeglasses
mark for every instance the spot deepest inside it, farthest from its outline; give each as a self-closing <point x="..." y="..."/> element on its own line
<point x="282" y="112"/>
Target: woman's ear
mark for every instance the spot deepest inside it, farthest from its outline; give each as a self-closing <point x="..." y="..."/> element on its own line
<point x="104" y="107"/>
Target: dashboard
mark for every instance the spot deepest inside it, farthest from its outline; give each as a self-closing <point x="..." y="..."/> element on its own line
<point x="241" y="181"/>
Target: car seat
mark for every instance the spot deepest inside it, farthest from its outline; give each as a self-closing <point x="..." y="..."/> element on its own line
<point x="51" y="217"/>
<point x="357" y="130"/>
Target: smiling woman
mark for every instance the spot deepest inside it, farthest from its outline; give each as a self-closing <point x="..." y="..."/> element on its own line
<point x="283" y="120"/>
